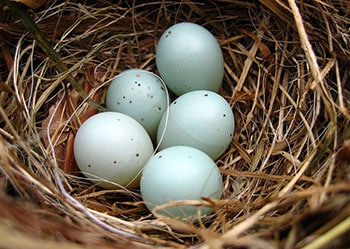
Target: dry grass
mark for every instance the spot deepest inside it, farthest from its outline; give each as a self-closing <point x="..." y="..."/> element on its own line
<point x="286" y="173"/>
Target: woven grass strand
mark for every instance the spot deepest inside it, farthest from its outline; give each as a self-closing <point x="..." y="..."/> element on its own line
<point x="285" y="174"/>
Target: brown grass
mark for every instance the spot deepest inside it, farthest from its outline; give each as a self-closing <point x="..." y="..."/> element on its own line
<point x="286" y="174"/>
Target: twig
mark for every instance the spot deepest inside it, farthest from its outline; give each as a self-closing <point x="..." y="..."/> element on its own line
<point x="305" y="43"/>
<point x="332" y="234"/>
<point x="312" y="60"/>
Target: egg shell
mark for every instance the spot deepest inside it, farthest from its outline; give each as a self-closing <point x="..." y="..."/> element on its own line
<point x="114" y="147"/>
<point x="189" y="58"/>
<point x="139" y="94"/>
<point x="201" y="119"/>
<point x="180" y="173"/>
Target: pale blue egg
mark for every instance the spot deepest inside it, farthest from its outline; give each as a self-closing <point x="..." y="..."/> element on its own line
<point x="111" y="149"/>
<point x="139" y="94"/>
<point x="188" y="58"/>
<point x="201" y="119"/>
<point x="180" y="173"/>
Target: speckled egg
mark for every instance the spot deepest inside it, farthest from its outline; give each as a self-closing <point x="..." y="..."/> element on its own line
<point x="189" y="58"/>
<point x="141" y="95"/>
<point x="180" y="173"/>
<point x="201" y="119"/>
<point x="111" y="148"/>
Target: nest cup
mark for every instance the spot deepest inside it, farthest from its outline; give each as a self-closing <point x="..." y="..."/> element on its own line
<point x="286" y="173"/>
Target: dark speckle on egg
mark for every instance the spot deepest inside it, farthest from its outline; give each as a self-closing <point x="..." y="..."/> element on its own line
<point x="168" y="34"/>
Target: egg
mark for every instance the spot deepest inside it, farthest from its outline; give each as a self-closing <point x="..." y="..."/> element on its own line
<point x="188" y="58"/>
<point x="111" y="149"/>
<point x="180" y="173"/>
<point x="201" y="119"/>
<point x="141" y="95"/>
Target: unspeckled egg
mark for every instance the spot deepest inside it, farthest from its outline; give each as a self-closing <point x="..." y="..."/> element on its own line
<point x="180" y="173"/>
<point x="139" y="94"/>
<point x="111" y="149"/>
<point x="201" y="119"/>
<point x="188" y="58"/>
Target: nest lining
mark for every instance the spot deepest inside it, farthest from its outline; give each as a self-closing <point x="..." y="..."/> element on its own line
<point x="288" y="162"/>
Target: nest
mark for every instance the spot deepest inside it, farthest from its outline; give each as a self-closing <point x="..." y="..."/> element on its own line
<point x="286" y="173"/>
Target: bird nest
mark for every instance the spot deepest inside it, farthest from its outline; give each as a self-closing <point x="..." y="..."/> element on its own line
<point x="286" y="173"/>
